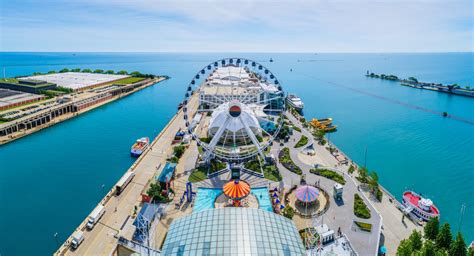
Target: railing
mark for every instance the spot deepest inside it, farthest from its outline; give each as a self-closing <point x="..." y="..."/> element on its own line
<point x="215" y="174"/>
<point x="260" y="175"/>
<point x="137" y="247"/>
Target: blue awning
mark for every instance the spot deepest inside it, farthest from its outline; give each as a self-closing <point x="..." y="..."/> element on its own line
<point x="167" y="172"/>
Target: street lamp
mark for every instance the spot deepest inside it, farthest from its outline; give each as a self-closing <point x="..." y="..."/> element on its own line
<point x="56" y="238"/>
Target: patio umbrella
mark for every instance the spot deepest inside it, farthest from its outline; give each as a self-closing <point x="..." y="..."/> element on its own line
<point x="275" y="195"/>
<point x="277" y="201"/>
<point x="307" y="194"/>
<point x="281" y="206"/>
<point x="383" y="249"/>
<point x="236" y="189"/>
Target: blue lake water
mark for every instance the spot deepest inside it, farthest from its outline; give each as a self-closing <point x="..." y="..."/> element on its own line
<point x="51" y="180"/>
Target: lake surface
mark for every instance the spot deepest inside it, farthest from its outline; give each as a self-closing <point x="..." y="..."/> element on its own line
<point x="51" y="180"/>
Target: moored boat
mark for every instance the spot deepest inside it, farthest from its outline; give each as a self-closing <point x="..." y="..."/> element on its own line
<point x="139" y="146"/>
<point x="295" y="102"/>
<point x="421" y="207"/>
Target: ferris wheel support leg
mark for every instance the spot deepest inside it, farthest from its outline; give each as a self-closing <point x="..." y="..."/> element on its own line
<point x="252" y="137"/>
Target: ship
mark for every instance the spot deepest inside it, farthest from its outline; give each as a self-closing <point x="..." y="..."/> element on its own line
<point x="140" y="146"/>
<point x="295" y="102"/>
<point x="419" y="206"/>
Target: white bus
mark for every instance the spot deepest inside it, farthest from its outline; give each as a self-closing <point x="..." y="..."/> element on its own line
<point x="123" y="182"/>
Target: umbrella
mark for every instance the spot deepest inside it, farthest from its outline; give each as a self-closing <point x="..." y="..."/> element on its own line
<point x="236" y="189"/>
<point x="307" y="194"/>
<point x="383" y="249"/>
<point x="275" y="195"/>
<point x="277" y="201"/>
<point x="282" y="206"/>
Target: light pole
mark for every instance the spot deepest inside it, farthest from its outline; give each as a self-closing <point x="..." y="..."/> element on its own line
<point x="56" y="238"/>
<point x="463" y="208"/>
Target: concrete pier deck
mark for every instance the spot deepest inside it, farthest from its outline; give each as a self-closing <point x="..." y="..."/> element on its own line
<point x="117" y="220"/>
<point x="59" y="112"/>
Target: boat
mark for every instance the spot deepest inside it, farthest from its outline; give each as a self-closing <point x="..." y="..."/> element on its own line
<point x="419" y="206"/>
<point x="295" y="102"/>
<point x="140" y="146"/>
<point x="271" y="60"/>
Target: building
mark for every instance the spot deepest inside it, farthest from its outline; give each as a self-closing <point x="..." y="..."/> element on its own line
<point x="238" y="83"/>
<point x="76" y="81"/>
<point x="28" y="85"/>
<point x="233" y="231"/>
<point x="9" y="98"/>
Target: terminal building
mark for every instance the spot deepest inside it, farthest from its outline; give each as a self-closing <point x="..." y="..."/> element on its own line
<point x="10" y="99"/>
<point x="240" y="84"/>
<point x="28" y="85"/>
<point x="233" y="231"/>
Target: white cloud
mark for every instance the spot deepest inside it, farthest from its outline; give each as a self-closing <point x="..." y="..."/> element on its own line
<point x="322" y="26"/>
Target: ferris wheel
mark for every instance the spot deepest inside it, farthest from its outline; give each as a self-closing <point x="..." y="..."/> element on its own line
<point x="240" y="109"/>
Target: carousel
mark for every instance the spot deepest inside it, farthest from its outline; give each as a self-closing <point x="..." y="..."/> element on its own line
<point x="307" y="201"/>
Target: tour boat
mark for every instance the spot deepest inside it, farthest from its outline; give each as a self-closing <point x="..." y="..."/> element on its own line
<point x="421" y="207"/>
<point x="295" y="102"/>
<point x="140" y="146"/>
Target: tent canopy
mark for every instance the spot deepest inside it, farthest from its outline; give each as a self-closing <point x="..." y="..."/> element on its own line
<point x="236" y="189"/>
<point x="307" y="194"/>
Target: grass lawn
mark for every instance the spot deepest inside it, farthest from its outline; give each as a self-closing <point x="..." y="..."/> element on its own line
<point x="129" y="80"/>
<point x="271" y="172"/>
<point x="9" y="80"/>
<point x="303" y="140"/>
<point x="364" y="226"/>
<point x="197" y="175"/>
<point x="332" y="175"/>
<point x="360" y="208"/>
<point x="296" y="128"/>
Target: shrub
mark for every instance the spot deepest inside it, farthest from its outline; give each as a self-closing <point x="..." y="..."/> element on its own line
<point x="288" y="212"/>
<point x="360" y="208"/>
<point x="179" y="150"/>
<point x="332" y="175"/>
<point x="286" y="161"/>
<point x="351" y="169"/>
<point x="303" y="141"/>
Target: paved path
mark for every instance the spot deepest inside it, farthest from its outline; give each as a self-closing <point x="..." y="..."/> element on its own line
<point x="102" y="240"/>
<point x="339" y="215"/>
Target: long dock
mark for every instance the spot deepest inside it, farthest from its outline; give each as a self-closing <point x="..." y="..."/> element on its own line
<point x="79" y="104"/>
<point x="117" y="220"/>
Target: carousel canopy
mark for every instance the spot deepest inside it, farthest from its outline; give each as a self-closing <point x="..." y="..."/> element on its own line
<point x="236" y="189"/>
<point x="307" y="194"/>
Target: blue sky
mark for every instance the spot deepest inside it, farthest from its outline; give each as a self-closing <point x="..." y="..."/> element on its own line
<point x="237" y="26"/>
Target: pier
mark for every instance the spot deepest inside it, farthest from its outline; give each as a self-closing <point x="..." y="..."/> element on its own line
<point x="117" y="221"/>
<point x="66" y="107"/>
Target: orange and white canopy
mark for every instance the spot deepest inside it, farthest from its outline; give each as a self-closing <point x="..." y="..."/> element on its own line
<point x="236" y="189"/>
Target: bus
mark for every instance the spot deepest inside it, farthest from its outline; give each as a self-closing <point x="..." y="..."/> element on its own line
<point x="123" y="182"/>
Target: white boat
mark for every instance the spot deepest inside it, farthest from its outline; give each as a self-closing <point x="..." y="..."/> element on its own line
<point x="139" y="147"/>
<point x="295" y="102"/>
<point x="421" y="207"/>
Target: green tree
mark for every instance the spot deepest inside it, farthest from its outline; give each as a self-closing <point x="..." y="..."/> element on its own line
<point x="179" y="151"/>
<point x="432" y="228"/>
<point x="52" y="72"/>
<point x="110" y="72"/>
<point x="76" y="70"/>
<point x="405" y="248"/>
<point x="415" y="240"/>
<point x="363" y="174"/>
<point x="87" y="70"/>
<point x="64" y="70"/>
<point x="154" y="190"/>
<point x="122" y="72"/>
<point x="136" y="73"/>
<point x="99" y="71"/>
<point x="429" y="248"/>
<point x="470" y="252"/>
<point x="444" y="237"/>
<point x="458" y="246"/>
<point x="373" y="182"/>
<point x="351" y="169"/>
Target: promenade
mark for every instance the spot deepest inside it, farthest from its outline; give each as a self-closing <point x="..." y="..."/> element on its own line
<point x="117" y="220"/>
<point x="385" y="216"/>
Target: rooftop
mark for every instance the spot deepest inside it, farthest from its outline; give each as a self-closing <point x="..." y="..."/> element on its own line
<point x="75" y="80"/>
<point x="238" y="231"/>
